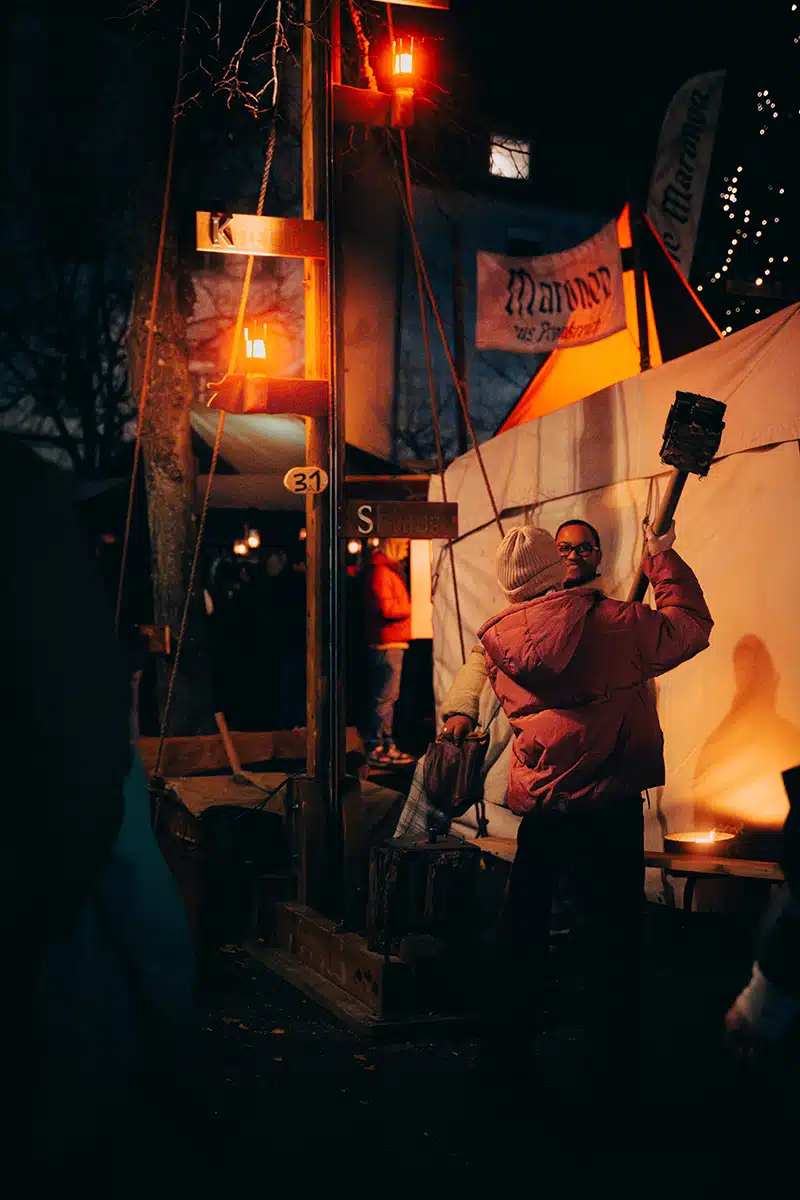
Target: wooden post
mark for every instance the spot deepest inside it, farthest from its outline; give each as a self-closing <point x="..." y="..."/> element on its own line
<point x="320" y="799"/>
<point x="316" y="367"/>
<point x="335" y="495"/>
<point x="310" y="797"/>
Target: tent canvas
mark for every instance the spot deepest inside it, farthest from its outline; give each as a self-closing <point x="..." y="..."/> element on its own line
<point x="677" y="323"/>
<point x="731" y="717"/>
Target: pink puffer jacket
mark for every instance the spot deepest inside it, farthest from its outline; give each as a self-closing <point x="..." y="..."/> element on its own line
<point x="571" y="670"/>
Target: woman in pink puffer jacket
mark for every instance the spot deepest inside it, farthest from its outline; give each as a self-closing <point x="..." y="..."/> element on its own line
<point x="571" y="668"/>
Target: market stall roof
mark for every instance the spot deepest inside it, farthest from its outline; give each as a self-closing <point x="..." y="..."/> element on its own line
<point x="256" y="453"/>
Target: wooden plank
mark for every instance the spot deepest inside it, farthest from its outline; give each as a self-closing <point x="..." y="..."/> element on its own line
<point x="401" y="519"/>
<point x="361" y="106"/>
<point x="389" y="487"/>
<point x="200" y="792"/>
<point x="253" y="393"/>
<point x="346" y="1008"/>
<point x="343" y="958"/>
<point x="264" y="237"/>
<point x="193" y="755"/>
<point x="317" y="987"/>
<point x="504" y="848"/>
<point x="739" y="868"/>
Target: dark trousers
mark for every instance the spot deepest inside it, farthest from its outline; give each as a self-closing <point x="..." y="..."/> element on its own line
<point x="386" y="669"/>
<point x="597" y="859"/>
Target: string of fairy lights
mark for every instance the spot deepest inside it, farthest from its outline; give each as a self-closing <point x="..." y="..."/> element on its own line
<point x="755" y="244"/>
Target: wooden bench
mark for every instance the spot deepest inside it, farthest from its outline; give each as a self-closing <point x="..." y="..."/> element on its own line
<point x="194" y="755"/>
<point x="681" y="866"/>
<point x="692" y="867"/>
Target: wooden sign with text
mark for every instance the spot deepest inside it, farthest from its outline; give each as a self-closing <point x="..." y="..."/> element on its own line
<point x="267" y="237"/>
<point x="400" y="519"/>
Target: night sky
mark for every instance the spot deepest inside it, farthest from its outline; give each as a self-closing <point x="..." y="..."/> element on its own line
<point x="87" y="97"/>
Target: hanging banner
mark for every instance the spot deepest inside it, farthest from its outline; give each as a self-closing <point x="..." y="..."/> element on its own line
<point x="533" y="305"/>
<point x="685" y="145"/>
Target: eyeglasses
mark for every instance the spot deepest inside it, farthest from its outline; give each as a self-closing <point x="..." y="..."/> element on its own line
<point x="584" y="549"/>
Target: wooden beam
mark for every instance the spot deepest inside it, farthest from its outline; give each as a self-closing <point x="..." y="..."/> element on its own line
<point x="265" y="237"/>
<point x="193" y="755"/>
<point x="702" y="864"/>
<point x="400" y="519"/>
<point x="268" y="394"/>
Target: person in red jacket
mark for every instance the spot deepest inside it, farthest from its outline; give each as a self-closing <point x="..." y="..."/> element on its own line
<point x="388" y="629"/>
<point x="572" y="669"/>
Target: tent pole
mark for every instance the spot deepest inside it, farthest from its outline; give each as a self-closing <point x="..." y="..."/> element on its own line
<point x="637" y="234"/>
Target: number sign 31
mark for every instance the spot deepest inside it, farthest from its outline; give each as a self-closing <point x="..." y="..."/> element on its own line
<point x="305" y="481"/>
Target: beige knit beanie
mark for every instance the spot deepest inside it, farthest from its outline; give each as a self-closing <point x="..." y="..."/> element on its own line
<point x="528" y="563"/>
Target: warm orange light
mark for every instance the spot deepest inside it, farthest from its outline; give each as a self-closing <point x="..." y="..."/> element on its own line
<point x="303" y="534"/>
<point x="713" y="835"/>
<point x="240" y="547"/>
<point x="403" y="58"/>
<point x="353" y="547"/>
<point x="256" y="347"/>
<point x="253" y="539"/>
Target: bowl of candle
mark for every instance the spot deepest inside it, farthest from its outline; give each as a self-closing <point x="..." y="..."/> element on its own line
<point x="714" y="842"/>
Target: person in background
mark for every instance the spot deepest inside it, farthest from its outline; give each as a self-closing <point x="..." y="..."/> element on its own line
<point x="571" y="668"/>
<point x="762" y="1015"/>
<point x="388" y="630"/>
<point x="91" y="921"/>
<point x="578" y="543"/>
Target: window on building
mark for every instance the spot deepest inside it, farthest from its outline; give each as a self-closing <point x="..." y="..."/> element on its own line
<point x="509" y="158"/>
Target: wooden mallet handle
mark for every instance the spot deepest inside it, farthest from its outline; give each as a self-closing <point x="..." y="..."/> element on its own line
<point x="227" y="741"/>
<point x="691" y="440"/>
<point x="661" y="524"/>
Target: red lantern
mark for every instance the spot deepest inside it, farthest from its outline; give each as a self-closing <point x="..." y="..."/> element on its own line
<point x="403" y="62"/>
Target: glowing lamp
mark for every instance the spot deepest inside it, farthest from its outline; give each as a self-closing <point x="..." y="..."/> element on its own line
<point x="375" y="542"/>
<point x="715" y="842"/>
<point x="240" y="547"/>
<point x="403" y="62"/>
<point x="255" y="347"/>
<point x="353" y="547"/>
<point x="253" y="539"/>
<point x="302" y="535"/>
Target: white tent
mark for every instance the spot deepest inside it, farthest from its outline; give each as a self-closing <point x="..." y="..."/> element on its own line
<point x="731" y="717"/>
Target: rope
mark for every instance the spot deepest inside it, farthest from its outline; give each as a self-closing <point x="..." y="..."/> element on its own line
<point x="432" y="386"/>
<point x="189" y="591"/>
<point x="151" y="326"/>
<point x="435" y="308"/>
<point x="248" y="269"/>
<point x="363" y="46"/>
<point x="248" y="274"/>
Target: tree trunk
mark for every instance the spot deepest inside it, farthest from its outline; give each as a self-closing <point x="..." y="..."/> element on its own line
<point x="169" y="475"/>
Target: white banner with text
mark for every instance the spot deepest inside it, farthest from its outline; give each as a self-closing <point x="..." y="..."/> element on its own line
<point x="534" y="305"/>
<point x="685" y="146"/>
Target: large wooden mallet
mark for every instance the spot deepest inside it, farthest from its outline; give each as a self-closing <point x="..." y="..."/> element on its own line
<point x="692" y="436"/>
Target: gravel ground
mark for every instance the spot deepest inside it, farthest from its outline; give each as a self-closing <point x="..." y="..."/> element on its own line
<point x="281" y="1093"/>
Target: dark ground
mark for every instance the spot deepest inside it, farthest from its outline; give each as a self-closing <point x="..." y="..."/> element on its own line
<point x="282" y="1094"/>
